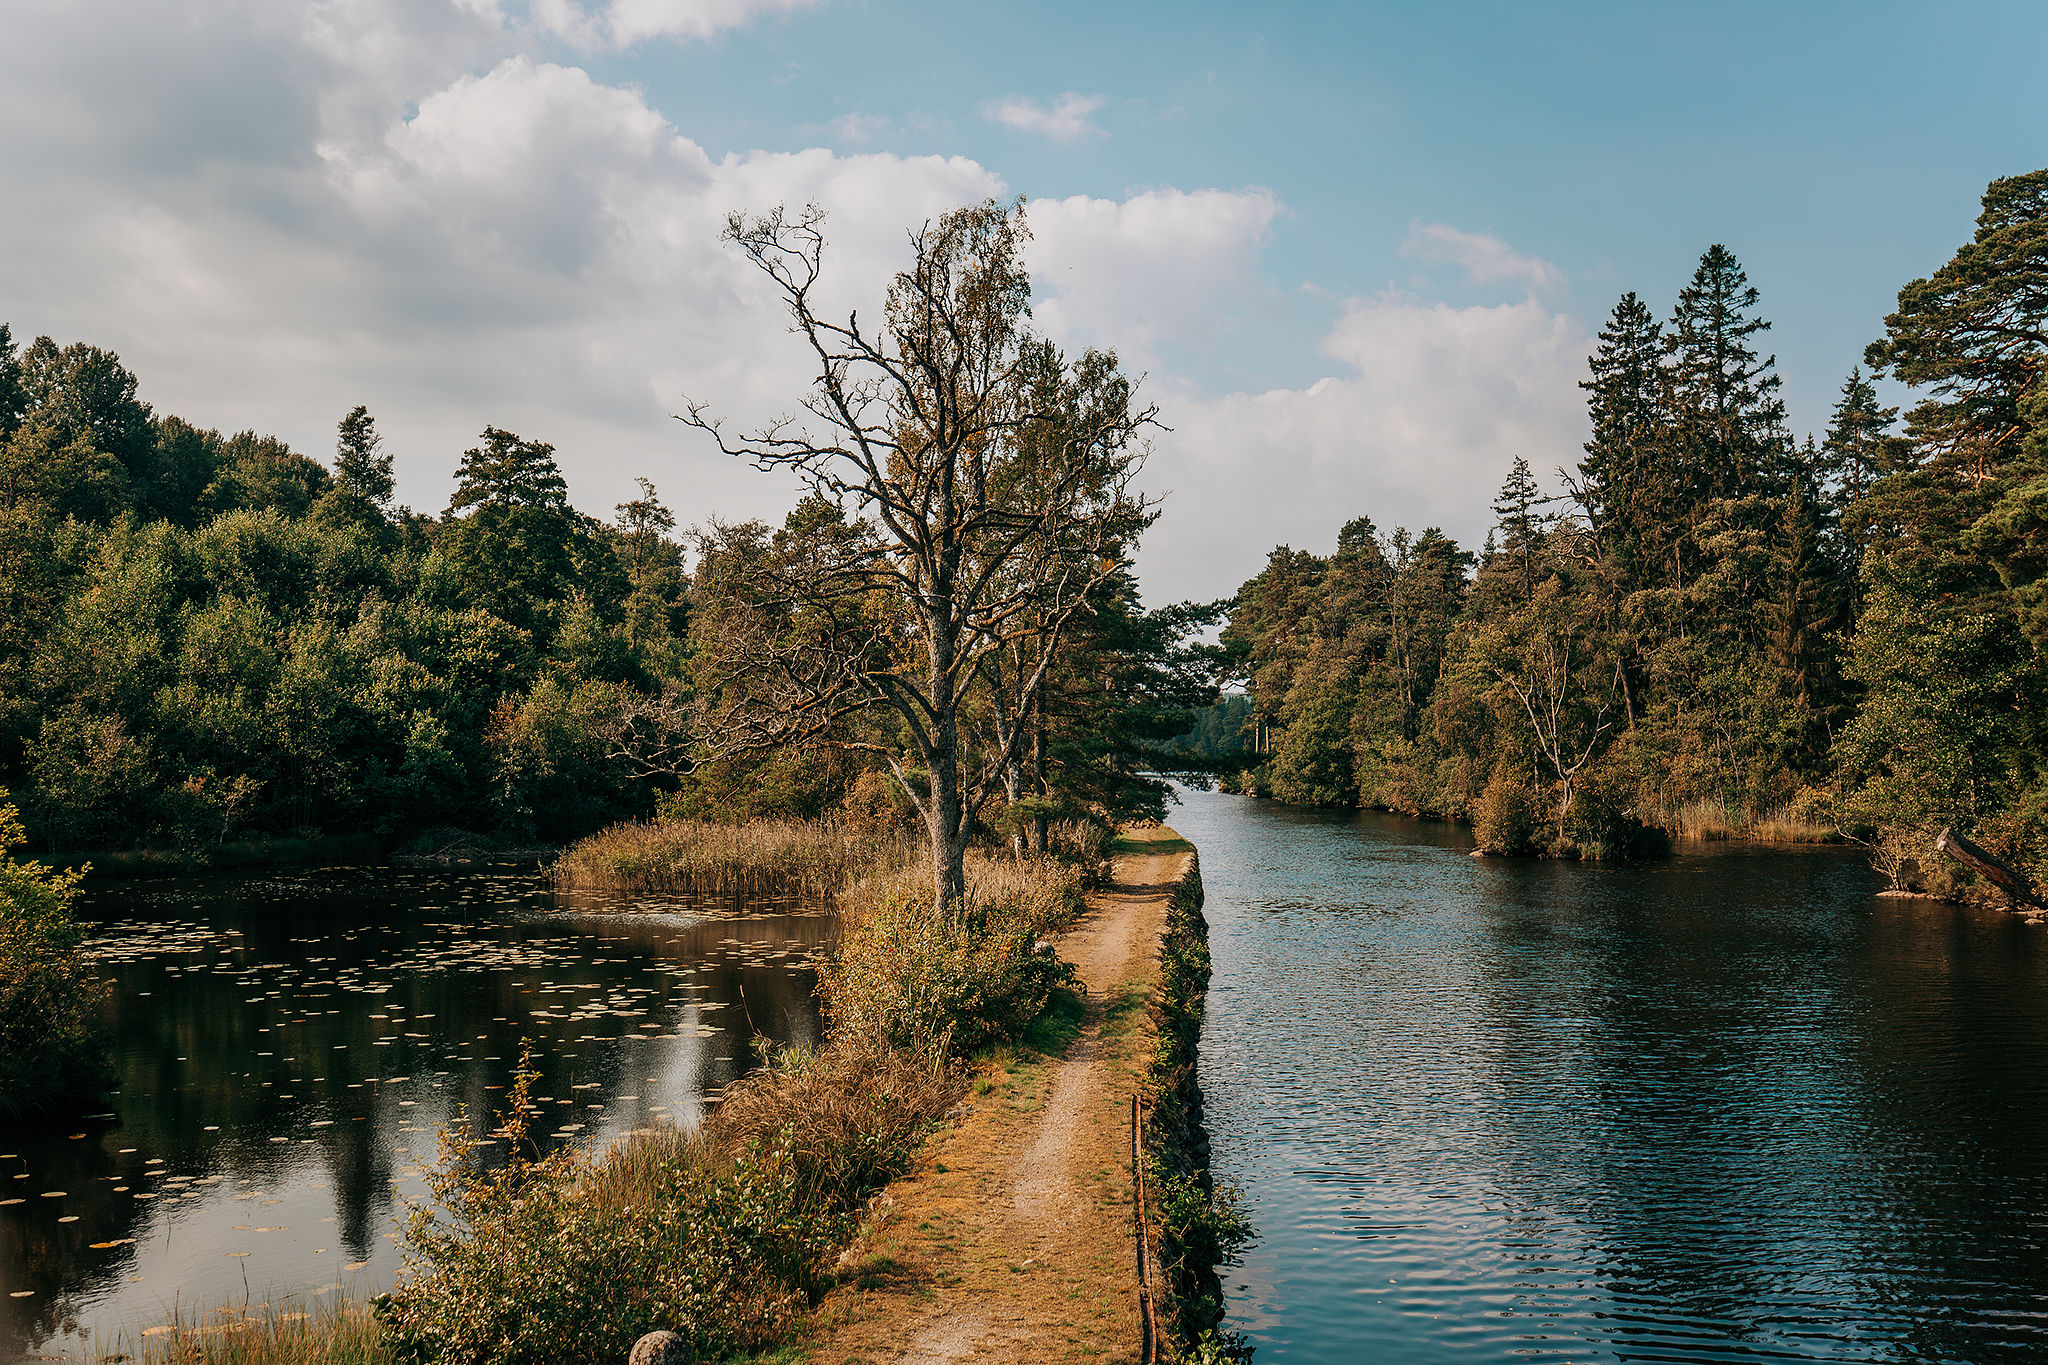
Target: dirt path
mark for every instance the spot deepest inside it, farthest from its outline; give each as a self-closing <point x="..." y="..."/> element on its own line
<point x="1012" y="1240"/>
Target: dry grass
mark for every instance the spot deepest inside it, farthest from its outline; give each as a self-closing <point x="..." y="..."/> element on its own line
<point x="810" y="858"/>
<point x="286" y="1334"/>
<point x="1714" y="820"/>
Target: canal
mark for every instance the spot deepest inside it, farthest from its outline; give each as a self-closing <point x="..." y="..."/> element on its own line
<point x="1730" y="1107"/>
<point x="289" y="1044"/>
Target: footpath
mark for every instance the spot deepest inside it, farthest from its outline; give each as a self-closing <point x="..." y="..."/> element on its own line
<point x="1012" y="1240"/>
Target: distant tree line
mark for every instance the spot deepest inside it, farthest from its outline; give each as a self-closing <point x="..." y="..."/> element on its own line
<point x="1846" y="632"/>
<point x="207" y="638"/>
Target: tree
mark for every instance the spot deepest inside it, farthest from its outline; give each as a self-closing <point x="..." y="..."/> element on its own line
<point x="51" y="1047"/>
<point x="516" y="550"/>
<point x="1514" y="509"/>
<point x="362" y="468"/>
<point x="1624" y="483"/>
<point x="1723" y="398"/>
<point x="932" y="580"/>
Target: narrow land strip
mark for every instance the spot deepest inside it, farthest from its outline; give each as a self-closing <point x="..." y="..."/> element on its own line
<point x="1012" y="1240"/>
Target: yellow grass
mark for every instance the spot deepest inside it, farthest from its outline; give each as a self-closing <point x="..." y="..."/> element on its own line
<point x="812" y="858"/>
<point x="338" y="1333"/>
<point x="1714" y="820"/>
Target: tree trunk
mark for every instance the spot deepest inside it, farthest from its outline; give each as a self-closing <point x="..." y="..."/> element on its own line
<point x="2010" y="880"/>
<point x="1038" y="824"/>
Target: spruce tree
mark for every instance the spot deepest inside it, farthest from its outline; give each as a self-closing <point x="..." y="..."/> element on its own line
<point x="1725" y="401"/>
<point x="362" y="469"/>
<point x="1623" y="483"/>
<point x="1514" y="510"/>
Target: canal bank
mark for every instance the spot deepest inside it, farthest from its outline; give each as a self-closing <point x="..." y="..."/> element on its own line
<point x="1016" y="1236"/>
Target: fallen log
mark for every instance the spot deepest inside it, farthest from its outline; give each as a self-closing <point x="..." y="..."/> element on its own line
<point x="2010" y="880"/>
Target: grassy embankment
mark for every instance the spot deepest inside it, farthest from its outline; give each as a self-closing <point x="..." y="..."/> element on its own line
<point x="731" y="1232"/>
<point x="1197" y="1224"/>
<point x="1794" y="822"/>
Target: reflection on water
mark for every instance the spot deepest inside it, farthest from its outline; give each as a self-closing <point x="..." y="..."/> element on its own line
<point x="289" y="1046"/>
<point x="1726" y="1107"/>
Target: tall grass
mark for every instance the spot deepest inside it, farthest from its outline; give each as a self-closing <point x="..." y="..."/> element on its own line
<point x="812" y="858"/>
<point x="337" y="1333"/>
<point x="1712" y="819"/>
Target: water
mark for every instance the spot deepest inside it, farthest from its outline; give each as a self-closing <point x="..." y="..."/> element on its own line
<point x="289" y="1045"/>
<point x="1725" y="1108"/>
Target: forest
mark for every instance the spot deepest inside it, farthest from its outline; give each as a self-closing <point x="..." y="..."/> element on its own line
<point x="213" y="640"/>
<point x="1717" y="628"/>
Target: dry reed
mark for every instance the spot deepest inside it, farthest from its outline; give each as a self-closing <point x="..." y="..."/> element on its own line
<point x="809" y="858"/>
<point x="338" y="1333"/>
<point x="1712" y="820"/>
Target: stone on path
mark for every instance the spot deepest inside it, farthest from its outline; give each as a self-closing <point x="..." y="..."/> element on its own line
<point x="662" y="1348"/>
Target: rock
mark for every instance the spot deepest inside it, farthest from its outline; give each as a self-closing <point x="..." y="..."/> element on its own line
<point x="662" y="1348"/>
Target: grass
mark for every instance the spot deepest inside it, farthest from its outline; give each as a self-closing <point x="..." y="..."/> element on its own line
<point x="1711" y="821"/>
<point x="812" y="858"/>
<point x="281" y="1334"/>
<point x="1155" y="839"/>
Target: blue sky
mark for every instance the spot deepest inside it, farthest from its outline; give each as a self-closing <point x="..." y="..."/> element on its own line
<point x="1359" y="250"/>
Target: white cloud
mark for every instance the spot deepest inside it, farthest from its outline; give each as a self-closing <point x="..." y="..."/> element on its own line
<point x="1066" y="121"/>
<point x="1435" y="404"/>
<point x="1485" y="259"/>
<point x="622" y="23"/>
<point x="1159" y="265"/>
<point x="276" y="213"/>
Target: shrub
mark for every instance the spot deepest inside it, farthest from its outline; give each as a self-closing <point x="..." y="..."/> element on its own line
<point x="1504" y="817"/>
<point x="721" y="1235"/>
<point x="935" y="981"/>
<point x="51" y="1048"/>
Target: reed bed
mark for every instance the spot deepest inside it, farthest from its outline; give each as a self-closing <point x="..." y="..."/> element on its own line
<point x="1712" y="820"/>
<point x="809" y="858"/>
<point x="338" y="1333"/>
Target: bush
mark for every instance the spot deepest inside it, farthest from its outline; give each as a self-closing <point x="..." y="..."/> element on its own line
<point x="51" y="1048"/>
<point x="721" y="1235"/>
<point x="1504" y="817"/>
<point x="937" y="981"/>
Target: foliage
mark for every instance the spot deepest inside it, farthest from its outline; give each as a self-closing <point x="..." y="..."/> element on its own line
<point x="51" y="1046"/>
<point x="945" y="980"/>
<point x="785" y="857"/>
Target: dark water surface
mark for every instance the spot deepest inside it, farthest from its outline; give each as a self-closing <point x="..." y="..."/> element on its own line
<point x="290" y="1044"/>
<point x="1725" y="1108"/>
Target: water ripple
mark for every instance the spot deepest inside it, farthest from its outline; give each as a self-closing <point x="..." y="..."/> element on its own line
<point x="1726" y="1108"/>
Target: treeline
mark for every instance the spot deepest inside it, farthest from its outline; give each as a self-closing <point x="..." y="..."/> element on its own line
<point x="1718" y="625"/>
<point x="208" y="638"/>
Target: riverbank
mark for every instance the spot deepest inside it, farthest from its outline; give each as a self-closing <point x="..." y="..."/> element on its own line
<point x="1014" y="1236"/>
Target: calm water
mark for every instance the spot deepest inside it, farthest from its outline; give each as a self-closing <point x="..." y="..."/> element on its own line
<point x="1726" y="1108"/>
<point x="290" y="1044"/>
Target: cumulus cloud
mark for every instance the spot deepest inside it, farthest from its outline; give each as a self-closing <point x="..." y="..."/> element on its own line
<point x="1162" y="264"/>
<point x="1067" y="120"/>
<point x="1485" y="260"/>
<point x="1432" y="408"/>
<point x="275" y="213"/>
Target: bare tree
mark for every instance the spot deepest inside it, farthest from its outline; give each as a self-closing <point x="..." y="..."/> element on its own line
<point x="947" y="531"/>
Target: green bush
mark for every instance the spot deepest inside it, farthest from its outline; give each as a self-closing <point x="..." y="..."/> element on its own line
<point x="1504" y="818"/>
<point x="952" y="980"/>
<point x="543" y="1262"/>
<point x="51" y="1048"/>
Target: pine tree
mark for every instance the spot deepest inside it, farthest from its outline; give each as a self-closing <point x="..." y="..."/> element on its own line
<point x="1623" y="483"/>
<point x="1514" y="509"/>
<point x="1724" y="401"/>
<point x="362" y="469"/>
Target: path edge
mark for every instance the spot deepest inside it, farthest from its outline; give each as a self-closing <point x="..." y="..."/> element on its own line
<point x="1176" y="1140"/>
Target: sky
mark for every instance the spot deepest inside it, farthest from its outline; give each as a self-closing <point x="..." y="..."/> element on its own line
<point x="1359" y="252"/>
